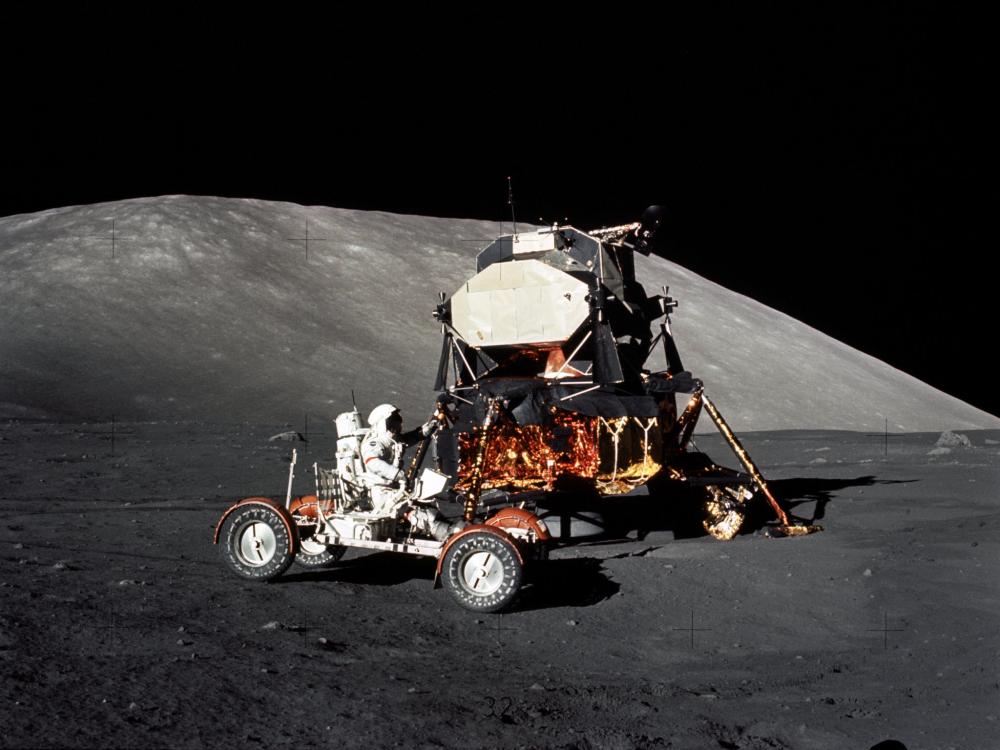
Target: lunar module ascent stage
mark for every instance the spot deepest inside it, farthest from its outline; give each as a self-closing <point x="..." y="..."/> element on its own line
<point x="545" y="393"/>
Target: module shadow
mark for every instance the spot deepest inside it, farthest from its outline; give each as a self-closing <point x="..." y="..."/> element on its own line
<point x="680" y="510"/>
<point x="795" y="492"/>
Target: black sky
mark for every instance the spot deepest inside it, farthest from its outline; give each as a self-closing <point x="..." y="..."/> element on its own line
<point x="837" y="166"/>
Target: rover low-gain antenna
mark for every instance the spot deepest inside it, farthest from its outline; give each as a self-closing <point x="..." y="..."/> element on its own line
<point x="355" y="403"/>
<point x="510" y="202"/>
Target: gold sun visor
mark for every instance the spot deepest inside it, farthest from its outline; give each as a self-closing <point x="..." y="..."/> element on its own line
<point x="519" y="302"/>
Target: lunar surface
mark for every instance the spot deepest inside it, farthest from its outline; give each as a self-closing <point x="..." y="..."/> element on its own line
<point x="120" y="626"/>
<point x="198" y="308"/>
<point x="150" y="350"/>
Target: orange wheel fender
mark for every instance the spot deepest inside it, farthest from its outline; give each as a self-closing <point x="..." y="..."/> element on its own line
<point x="519" y="518"/>
<point x="282" y="511"/>
<point x="482" y="527"/>
<point x="307" y="506"/>
<point x="298" y="502"/>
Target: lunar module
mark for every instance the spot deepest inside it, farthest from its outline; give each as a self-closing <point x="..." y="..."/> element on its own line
<point x="545" y="357"/>
<point x="545" y="390"/>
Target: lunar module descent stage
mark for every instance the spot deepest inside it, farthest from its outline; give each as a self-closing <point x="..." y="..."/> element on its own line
<point x="544" y="393"/>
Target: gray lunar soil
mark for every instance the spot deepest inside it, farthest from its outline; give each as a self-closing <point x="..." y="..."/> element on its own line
<point x="121" y="628"/>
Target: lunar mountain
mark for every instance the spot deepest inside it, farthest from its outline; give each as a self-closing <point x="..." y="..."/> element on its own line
<point x="227" y="310"/>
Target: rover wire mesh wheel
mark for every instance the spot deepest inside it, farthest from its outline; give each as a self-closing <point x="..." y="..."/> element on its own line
<point x="482" y="571"/>
<point x="313" y="554"/>
<point x="255" y="542"/>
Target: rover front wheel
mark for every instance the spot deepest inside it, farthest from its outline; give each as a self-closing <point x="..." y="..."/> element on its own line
<point x="256" y="543"/>
<point x="483" y="572"/>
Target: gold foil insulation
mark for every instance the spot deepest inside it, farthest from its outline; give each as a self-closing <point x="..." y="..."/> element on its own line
<point x="725" y="511"/>
<point x="630" y="450"/>
<point x="618" y="454"/>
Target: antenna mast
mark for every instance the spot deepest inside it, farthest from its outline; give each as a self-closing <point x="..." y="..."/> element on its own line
<point x="510" y="202"/>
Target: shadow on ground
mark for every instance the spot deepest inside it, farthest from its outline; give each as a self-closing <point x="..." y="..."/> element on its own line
<point x="379" y="569"/>
<point x="578" y="582"/>
<point x="793" y="493"/>
<point x="581" y="582"/>
<point x="669" y="506"/>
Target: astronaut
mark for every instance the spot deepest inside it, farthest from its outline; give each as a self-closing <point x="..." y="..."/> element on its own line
<point x="382" y="452"/>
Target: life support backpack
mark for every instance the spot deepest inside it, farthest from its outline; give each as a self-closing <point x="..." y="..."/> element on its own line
<point x="350" y="468"/>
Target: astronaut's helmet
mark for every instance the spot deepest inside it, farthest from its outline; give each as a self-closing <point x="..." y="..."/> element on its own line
<point x="385" y="418"/>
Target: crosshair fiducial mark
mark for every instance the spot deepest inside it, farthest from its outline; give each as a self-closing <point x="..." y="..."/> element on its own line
<point x="114" y="237"/>
<point x="305" y="627"/>
<point x="885" y="435"/>
<point x="307" y="239"/>
<point x="112" y="619"/>
<point x="500" y="630"/>
<point x="307" y="434"/>
<point x="314" y="431"/>
<point x="885" y="630"/>
<point x="692" y="629"/>
<point x="114" y="624"/>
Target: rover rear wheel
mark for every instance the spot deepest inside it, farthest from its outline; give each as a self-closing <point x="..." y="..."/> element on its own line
<point x="483" y="572"/>
<point x="256" y="543"/>
<point x="316" y="555"/>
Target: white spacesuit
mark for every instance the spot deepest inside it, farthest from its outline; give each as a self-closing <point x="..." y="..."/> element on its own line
<point x="382" y="453"/>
